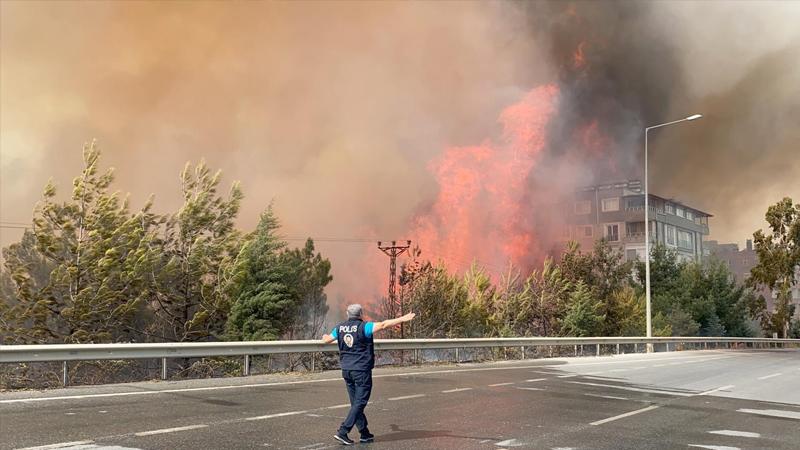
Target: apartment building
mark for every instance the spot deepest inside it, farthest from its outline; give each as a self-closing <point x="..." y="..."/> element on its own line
<point x="616" y="212"/>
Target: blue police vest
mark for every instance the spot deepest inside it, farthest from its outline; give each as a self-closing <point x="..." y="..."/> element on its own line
<point x="356" y="350"/>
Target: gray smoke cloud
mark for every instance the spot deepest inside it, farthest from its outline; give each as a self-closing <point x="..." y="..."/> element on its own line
<point x="335" y="110"/>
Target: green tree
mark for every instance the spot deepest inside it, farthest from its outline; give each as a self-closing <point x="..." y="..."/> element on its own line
<point x="95" y="251"/>
<point x="265" y="301"/>
<point x="778" y="261"/>
<point x="584" y="314"/>
<point x="198" y="244"/>
<point x="311" y="273"/>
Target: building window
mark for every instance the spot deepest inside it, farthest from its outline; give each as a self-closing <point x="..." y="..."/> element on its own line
<point x="685" y="240"/>
<point x="669" y="235"/>
<point x="635" y="204"/>
<point x="565" y="233"/>
<point x="585" y="231"/>
<point x="689" y="215"/>
<point x="610" y="204"/>
<point x="612" y="232"/>
<point x="630" y="255"/>
<point x="680" y="212"/>
<point x="583" y="207"/>
<point x="670" y="208"/>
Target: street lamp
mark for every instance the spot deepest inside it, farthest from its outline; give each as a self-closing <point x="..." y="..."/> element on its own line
<point x="647" y="224"/>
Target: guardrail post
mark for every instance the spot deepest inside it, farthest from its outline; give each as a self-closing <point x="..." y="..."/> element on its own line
<point x="313" y="360"/>
<point x="618" y="348"/>
<point x="668" y="346"/>
<point x="523" y="351"/>
<point x="635" y="348"/>
<point x="457" y="359"/>
<point x="64" y="374"/>
<point x="246" y="368"/>
<point x="576" y="349"/>
<point x="598" y="349"/>
<point x="163" y="368"/>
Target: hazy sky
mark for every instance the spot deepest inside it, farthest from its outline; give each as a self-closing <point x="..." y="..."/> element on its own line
<point x="336" y="110"/>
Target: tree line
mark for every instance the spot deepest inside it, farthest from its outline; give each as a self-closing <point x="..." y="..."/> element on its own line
<point x="598" y="293"/>
<point x="91" y="270"/>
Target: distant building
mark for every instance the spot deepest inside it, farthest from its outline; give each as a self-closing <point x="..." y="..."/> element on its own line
<point x="741" y="262"/>
<point x="616" y="212"/>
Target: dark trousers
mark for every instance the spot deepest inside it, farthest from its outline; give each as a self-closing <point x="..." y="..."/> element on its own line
<point x="359" y="388"/>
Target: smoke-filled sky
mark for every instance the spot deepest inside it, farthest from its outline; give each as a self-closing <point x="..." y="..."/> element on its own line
<point x="342" y="112"/>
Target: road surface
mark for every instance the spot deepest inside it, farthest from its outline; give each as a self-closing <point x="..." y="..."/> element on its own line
<point x="721" y="399"/>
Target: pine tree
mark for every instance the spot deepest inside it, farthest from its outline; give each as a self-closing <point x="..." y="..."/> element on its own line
<point x="265" y="301"/>
<point x="94" y="251"/>
<point x="198" y="244"/>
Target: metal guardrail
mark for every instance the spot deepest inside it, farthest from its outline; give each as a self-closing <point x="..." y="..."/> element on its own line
<point x="163" y="351"/>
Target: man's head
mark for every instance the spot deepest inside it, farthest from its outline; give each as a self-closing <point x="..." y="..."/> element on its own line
<point x="354" y="311"/>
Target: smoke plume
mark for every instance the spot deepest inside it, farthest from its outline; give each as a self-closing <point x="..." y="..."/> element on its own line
<point x="346" y="114"/>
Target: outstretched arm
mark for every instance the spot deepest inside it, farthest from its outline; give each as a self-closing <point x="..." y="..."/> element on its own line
<point x="392" y="322"/>
<point x="328" y="338"/>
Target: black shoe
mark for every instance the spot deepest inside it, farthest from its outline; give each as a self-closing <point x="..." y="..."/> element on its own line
<point x="343" y="439"/>
<point x="367" y="437"/>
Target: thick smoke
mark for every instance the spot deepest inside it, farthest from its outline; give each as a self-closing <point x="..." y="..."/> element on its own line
<point x="336" y="110"/>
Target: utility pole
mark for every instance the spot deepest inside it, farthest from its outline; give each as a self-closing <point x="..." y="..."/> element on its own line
<point x="393" y="251"/>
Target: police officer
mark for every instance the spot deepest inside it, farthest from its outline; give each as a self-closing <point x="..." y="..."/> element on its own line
<point x="357" y="358"/>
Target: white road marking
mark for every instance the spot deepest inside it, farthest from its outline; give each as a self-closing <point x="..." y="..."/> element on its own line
<point x="568" y="376"/>
<point x="545" y="373"/>
<point x="314" y="445"/>
<point x="772" y="413"/>
<point x="326" y="380"/>
<point x="626" y="388"/>
<point x="736" y="433"/>
<point x="500" y="384"/>
<point x="535" y="380"/>
<point x="714" y="447"/>
<point x="270" y="416"/>
<point x="456" y="390"/>
<point x="484" y="441"/>
<point x="622" y="416"/>
<point x="659" y="365"/>
<point x="170" y="430"/>
<point x="102" y="411"/>
<point x="530" y="389"/>
<point x="721" y="388"/>
<point x="509" y="443"/>
<point x="770" y="376"/>
<point x="70" y="414"/>
<point x="607" y="396"/>
<point x="343" y="405"/>
<point x="59" y="445"/>
<point x="406" y="397"/>
<point x="639" y="361"/>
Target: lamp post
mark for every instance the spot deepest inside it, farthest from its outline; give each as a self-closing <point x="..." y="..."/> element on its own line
<point x="647" y="225"/>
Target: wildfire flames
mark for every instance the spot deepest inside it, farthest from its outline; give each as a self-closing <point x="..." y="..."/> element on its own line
<point x="482" y="212"/>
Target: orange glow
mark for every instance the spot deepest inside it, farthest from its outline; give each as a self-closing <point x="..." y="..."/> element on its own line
<point x="480" y="212"/>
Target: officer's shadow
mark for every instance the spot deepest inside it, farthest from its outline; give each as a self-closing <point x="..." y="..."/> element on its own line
<point x="399" y="434"/>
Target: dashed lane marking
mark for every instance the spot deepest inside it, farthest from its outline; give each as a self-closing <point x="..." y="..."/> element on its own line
<point x="736" y="433"/>
<point x="170" y="430"/>
<point x="535" y="380"/>
<point x="622" y="416"/>
<point x="59" y="445"/>
<point x="626" y="388"/>
<point x="611" y="397"/>
<point x="772" y="413"/>
<point x="449" y="391"/>
<point x="714" y="447"/>
<point x="270" y="416"/>
<point x="530" y="388"/>
<point x="770" y="376"/>
<point x="500" y="384"/>
<point x="406" y="397"/>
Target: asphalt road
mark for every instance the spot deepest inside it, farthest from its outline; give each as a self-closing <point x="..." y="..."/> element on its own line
<point x="702" y="399"/>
